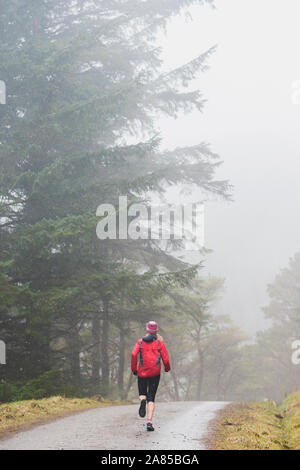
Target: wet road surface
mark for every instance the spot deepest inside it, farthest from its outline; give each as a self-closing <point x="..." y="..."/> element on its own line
<point x="182" y="425"/>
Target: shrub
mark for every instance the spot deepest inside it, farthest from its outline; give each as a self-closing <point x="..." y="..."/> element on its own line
<point x="46" y="385"/>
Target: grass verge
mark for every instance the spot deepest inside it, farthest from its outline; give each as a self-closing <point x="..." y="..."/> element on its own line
<point x="24" y="414"/>
<point x="259" y="426"/>
<point x="291" y="421"/>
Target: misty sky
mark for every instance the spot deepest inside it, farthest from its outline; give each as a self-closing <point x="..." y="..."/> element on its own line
<point x="251" y="122"/>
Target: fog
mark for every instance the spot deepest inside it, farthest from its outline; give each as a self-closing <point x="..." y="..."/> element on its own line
<point x="110" y="114"/>
<point x="250" y="120"/>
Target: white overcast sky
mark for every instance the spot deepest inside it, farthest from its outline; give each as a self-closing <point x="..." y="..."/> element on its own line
<point x="251" y="122"/>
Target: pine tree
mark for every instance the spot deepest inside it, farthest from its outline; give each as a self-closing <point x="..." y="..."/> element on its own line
<point x="81" y="77"/>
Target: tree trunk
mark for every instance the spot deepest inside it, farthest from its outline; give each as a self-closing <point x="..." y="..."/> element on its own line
<point x="200" y="374"/>
<point x="74" y="348"/>
<point x="218" y="387"/>
<point x="188" y="388"/>
<point x="96" y="352"/>
<point x="121" y="369"/>
<point x="104" y="349"/>
<point x="128" y="387"/>
<point x="175" y="383"/>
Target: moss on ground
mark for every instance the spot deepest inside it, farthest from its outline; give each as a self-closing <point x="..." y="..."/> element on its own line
<point x="259" y="426"/>
<point x="21" y="414"/>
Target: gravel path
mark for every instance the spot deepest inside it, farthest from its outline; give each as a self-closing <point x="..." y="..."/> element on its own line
<point x="182" y="425"/>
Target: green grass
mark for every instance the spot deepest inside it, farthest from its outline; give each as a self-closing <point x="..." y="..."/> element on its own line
<point x="17" y="415"/>
<point x="259" y="426"/>
<point x="291" y="422"/>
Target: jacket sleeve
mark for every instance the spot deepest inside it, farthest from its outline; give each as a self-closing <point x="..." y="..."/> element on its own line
<point x="134" y="356"/>
<point x="165" y="357"/>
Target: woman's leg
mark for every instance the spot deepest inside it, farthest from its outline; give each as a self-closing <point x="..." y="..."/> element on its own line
<point x="142" y="385"/>
<point x="150" y="410"/>
<point x="153" y="386"/>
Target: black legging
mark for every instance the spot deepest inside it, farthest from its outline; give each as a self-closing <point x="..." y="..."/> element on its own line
<point x="148" y="387"/>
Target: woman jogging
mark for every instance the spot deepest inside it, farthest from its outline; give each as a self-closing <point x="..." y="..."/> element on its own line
<point x="150" y="349"/>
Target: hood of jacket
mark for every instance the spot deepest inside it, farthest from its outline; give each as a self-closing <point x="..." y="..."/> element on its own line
<point x="149" y="338"/>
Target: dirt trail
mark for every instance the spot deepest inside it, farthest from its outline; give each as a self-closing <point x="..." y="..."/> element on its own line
<point x="182" y="425"/>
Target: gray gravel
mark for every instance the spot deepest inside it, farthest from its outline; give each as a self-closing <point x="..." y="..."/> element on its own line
<point x="182" y="425"/>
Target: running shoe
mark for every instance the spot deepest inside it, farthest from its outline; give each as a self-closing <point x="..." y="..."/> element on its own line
<point x="150" y="427"/>
<point x="142" y="410"/>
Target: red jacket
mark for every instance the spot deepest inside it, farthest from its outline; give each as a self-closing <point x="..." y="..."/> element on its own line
<point x="150" y="357"/>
